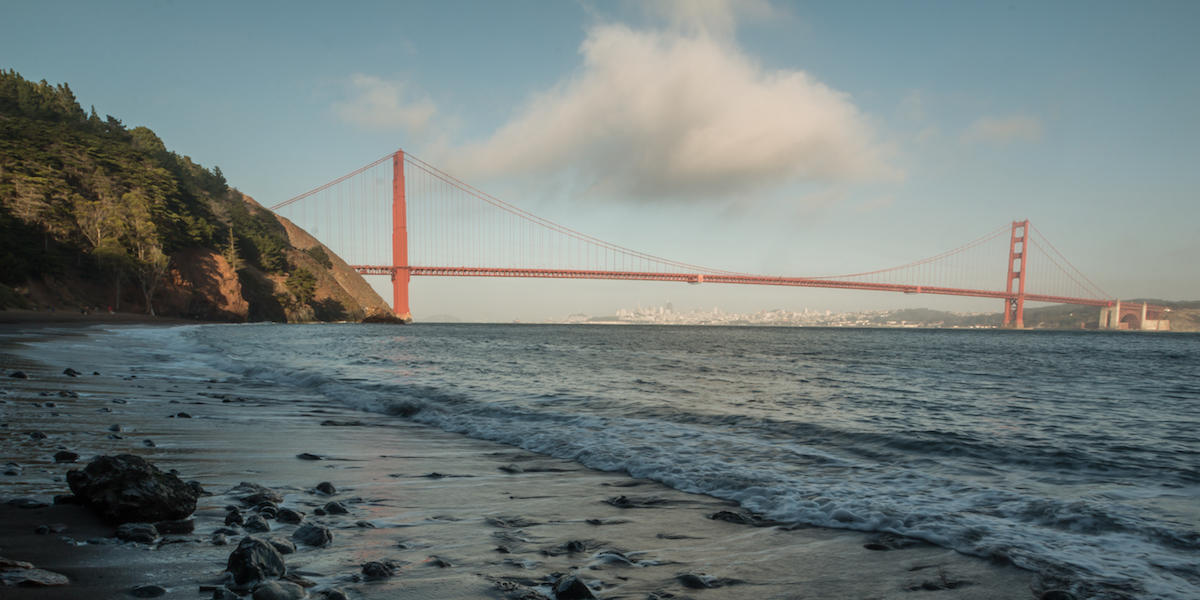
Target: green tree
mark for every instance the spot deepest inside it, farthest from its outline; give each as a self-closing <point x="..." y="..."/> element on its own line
<point x="303" y="286"/>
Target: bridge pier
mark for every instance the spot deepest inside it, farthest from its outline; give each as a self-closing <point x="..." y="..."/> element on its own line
<point x="1014" y="305"/>
<point x="400" y="272"/>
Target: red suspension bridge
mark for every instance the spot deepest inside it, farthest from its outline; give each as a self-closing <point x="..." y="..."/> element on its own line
<point x="402" y="217"/>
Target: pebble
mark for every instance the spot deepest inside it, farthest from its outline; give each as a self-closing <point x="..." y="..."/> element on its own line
<point x="256" y="523"/>
<point x="326" y="488"/>
<point x="27" y="503"/>
<point x="309" y="456"/>
<point x="570" y="587"/>
<point x="254" y="559"/>
<point x="63" y="456"/>
<point x="283" y="546"/>
<point x="114" y="428"/>
<point x="287" y="515"/>
<point x="37" y="435"/>
<point x="142" y="533"/>
<point x="278" y="590"/>
<point x="377" y="570"/>
<point x="69" y="372"/>
<point x="147" y="591"/>
<point x="176" y="527"/>
<point x="313" y="535"/>
<point x="336" y="508"/>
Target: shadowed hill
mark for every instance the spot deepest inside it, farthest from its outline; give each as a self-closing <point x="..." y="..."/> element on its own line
<point x="94" y="215"/>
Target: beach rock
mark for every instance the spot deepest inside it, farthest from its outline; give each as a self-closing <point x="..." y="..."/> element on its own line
<point x="570" y="587"/>
<point x="335" y="508"/>
<point x="253" y="560"/>
<point x="283" y="546"/>
<point x="69" y="372"/>
<point x="252" y="494"/>
<point x="32" y="577"/>
<point x="142" y="533"/>
<point x="1056" y="595"/>
<point x="50" y="528"/>
<point x="326" y="488"/>
<point x="224" y="593"/>
<point x="376" y="570"/>
<point x="219" y="539"/>
<point x="67" y="499"/>
<point x="63" y="456"/>
<point x="27" y="503"/>
<point x="234" y="517"/>
<point x="365" y="524"/>
<point x="278" y="590"/>
<point x="12" y="469"/>
<point x="37" y="435"/>
<point x="287" y="515"/>
<point x="256" y="524"/>
<point x="18" y="375"/>
<point x="313" y="535"/>
<point x="115" y="428"/>
<point x="309" y="456"/>
<point x="333" y="594"/>
<point x="127" y="488"/>
<point x="147" y="591"/>
<point x="149" y="443"/>
<point x="176" y="527"/>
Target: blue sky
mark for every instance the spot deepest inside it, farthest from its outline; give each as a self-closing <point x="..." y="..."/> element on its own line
<point x="875" y="133"/>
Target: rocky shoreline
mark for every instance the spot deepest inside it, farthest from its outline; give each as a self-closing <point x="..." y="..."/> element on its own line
<point x="297" y="498"/>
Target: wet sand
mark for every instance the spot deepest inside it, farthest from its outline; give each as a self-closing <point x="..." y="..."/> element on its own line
<point x="461" y="518"/>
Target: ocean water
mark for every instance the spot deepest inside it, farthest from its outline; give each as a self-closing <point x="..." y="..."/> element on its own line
<point x="1075" y="455"/>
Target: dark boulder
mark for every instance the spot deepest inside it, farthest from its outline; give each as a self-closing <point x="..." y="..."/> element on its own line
<point x="254" y="559"/>
<point x="326" y="488"/>
<point x="126" y="488"/>
<point x="63" y="456"/>
<point x="313" y="535"/>
<point x="18" y="375"/>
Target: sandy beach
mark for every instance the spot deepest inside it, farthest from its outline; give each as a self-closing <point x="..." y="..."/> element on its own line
<point x="453" y="517"/>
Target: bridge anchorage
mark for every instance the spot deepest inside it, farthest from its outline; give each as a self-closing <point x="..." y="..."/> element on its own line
<point x="402" y="217"/>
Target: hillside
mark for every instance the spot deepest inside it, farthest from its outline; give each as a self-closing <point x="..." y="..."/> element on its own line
<point x="96" y="216"/>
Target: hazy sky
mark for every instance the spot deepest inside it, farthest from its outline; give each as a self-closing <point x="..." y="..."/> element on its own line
<point x="782" y="138"/>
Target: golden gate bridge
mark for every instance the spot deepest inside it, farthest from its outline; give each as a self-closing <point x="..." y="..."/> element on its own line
<point x="402" y="217"/>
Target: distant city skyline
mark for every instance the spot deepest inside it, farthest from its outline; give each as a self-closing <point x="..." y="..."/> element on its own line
<point x="755" y="136"/>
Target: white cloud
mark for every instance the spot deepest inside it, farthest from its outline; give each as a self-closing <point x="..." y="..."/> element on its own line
<point x="682" y="114"/>
<point x="1003" y="130"/>
<point x="376" y="103"/>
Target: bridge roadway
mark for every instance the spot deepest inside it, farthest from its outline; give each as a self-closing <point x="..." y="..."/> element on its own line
<point x="734" y="278"/>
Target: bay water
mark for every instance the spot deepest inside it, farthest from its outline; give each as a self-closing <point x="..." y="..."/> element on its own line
<point x="1073" y="454"/>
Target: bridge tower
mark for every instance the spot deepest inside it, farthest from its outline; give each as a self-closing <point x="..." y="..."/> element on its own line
<point x="1014" y="306"/>
<point x="400" y="271"/>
